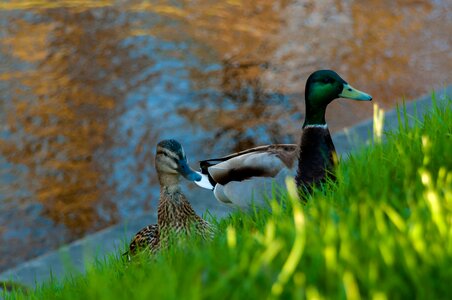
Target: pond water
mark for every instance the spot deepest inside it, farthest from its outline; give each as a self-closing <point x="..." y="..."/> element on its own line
<point x="89" y="87"/>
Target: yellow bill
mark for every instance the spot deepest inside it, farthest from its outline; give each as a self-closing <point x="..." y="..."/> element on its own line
<point x="350" y="92"/>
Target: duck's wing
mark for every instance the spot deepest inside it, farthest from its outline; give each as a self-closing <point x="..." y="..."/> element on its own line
<point x="257" y="190"/>
<point x="263" y="161"/>
<point x="148" y="237"/>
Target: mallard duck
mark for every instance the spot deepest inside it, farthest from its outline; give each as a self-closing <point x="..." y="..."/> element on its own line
<point x="175" y="212"/>
<point x="249" y="176"/>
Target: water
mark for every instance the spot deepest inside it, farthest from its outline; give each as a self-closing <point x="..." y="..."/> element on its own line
<point x="89" y="87"/>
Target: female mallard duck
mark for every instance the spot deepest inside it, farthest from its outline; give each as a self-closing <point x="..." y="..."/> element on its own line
<point x="248" y="176"/>
<point x="175" y="213"/>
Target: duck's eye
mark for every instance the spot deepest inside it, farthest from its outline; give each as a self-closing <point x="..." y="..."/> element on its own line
<point x="327" y="80"/>
<point x="162" y="153"/>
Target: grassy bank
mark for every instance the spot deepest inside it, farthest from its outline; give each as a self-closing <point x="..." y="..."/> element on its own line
<point x="383" y="231"/>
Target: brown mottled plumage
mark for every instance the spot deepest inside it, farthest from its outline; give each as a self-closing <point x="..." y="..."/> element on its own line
<point x="175" y="212"/>
<point x="148" y="237"/>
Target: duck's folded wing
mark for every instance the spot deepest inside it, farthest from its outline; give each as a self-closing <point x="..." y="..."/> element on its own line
<point x="256" y="191"/>
<point x="264" y="161"/>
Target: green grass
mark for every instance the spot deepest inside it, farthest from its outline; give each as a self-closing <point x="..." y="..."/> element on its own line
<point x="383" y="231"/>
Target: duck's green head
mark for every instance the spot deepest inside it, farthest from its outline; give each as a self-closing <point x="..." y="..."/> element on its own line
<point x="170" y="160"/>
<point x="322" y="87"/>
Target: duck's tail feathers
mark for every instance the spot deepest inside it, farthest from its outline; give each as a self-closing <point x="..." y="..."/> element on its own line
<point x="204" y="182"/>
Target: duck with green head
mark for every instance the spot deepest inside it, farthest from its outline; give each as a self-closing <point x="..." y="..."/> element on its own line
<point x="248" y="176"/>
<point x="175" y="212"/>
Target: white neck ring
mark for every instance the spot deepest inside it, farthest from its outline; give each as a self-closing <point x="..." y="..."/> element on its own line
<point x="323" y="126"/>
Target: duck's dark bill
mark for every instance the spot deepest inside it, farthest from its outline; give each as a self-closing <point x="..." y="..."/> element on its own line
<point x="350" y="92"/>
<point x="187" y="172"/>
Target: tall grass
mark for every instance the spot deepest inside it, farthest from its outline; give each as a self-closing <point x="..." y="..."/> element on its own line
<point x="382" y="231"/>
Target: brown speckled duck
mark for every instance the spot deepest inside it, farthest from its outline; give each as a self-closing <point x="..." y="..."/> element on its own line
<point x="175" y="212"/>
<point x="249" y="176"/>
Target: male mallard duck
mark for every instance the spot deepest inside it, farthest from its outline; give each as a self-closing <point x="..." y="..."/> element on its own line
<point x="248" y="175"/>
<point x="175" y="213"/>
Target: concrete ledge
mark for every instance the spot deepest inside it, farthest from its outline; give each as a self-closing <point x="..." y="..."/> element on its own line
<point x="76" y="255"/>
<point x="351" y="139"/>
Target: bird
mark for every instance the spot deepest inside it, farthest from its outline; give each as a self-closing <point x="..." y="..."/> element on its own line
<point x="175" y="213"/>
<point x="253" y="175"/>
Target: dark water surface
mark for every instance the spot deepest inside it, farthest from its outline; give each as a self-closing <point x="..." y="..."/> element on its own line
<point x="87" y="88"/>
